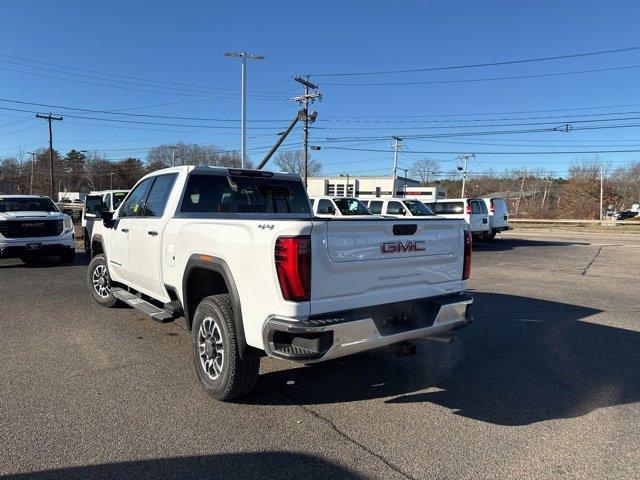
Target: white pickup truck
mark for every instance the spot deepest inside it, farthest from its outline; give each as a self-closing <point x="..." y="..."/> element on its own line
<point x="240" y="256"/>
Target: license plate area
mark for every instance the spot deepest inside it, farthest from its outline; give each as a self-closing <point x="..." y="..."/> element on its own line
<point x="32" y="247"/>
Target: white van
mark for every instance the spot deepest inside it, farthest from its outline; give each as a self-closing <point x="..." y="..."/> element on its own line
<point x="398" y="207"/>
<point x="498" y="216"/>
<point x="472" y="210"/>
<point x="338" y="206"/>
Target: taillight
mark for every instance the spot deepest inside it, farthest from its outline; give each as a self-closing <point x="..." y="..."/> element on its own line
<point x="466" y="267"/>
<point x="492" y="208"/>
<point x="468" y="208"/>
<point x="293" y="265"/>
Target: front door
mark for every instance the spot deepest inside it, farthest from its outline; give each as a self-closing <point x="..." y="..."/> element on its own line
<point x="125" y="220"/>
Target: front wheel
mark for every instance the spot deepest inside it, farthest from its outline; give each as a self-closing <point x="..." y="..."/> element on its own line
<point x="99" y="282"/>
<point x="221" y="371"/>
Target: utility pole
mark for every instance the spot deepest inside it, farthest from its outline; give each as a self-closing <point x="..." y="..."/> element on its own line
<point x="111" y="178"/>
<point x="50" y="118"/>
<point x="304" y="100"/>
<point x="396" y="146"/>
<point x="601" y="189"/>
<point x="521" y="192"/>
<point x="33" y="161"/>
<point x="465" y="158"/>
<point x="244" y="56"/>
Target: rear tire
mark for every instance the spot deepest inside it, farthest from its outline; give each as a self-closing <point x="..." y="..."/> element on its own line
<point x="490" y="236"/>
<point x="221" y="371"/>
<point x="99" y="282"/>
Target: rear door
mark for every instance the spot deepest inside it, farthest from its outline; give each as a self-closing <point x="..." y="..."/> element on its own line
<point x="500" y="216"/>
<point x="477" y="220"/>
<point x="145" y="253"/>
<point x="370" y="262"/>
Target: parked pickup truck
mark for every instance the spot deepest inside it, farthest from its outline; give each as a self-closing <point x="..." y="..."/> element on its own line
<point x="240" y="256"/>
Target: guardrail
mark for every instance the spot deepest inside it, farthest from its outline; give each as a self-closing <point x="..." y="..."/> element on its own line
<point x="571" y="221"/>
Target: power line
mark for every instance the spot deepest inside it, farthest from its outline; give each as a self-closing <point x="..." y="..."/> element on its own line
<point x="476" y="65"/>
<point x="485" y="79"/>
<point x="180" y="84"/>
<point x="142" y="115"/>
<point x="494" y="153"/>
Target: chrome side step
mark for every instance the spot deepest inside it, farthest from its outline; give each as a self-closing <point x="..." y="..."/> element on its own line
<point x="155" y="313"/>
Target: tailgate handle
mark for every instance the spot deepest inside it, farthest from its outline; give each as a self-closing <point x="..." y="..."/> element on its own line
<point x="405" y="229"/>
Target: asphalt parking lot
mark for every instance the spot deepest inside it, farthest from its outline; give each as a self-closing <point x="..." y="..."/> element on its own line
<point x="544" y="384"/>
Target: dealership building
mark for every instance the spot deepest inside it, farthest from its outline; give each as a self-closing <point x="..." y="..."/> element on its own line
<point x="364" y="186"/>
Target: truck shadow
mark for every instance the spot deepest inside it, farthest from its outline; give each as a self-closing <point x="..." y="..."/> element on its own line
<point x="504" y="244"/>
<point x="81" y="259"/>
<point x="249" y="466"/>
<point x="522" y="361"/>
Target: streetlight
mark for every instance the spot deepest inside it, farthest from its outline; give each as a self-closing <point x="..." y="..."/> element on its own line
<point x="244" y="56"/>
<point x="111" y="177"/>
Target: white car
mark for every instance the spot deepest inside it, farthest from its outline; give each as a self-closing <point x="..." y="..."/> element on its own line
<point x="472" y="210"/>
<point x="498" y="216"/>
<point x="239" y="254"/>
<point x="338" y="207"/>
<point x="110" y="200"/>
<point x="398" y="207"/>
<point x="32" y="226"/>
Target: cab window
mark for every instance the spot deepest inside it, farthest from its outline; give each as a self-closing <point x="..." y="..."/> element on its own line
<point x="325" y="207"/>
<point x="375" y="207"/>
<point x="158" y="196"/>
<point x="395" y="208"/>
<point x="132" y="207"/>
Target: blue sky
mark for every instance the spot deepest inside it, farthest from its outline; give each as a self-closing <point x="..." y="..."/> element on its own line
<point x="181" y="43"/>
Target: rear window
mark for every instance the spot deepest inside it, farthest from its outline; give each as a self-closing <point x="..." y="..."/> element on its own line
<point x="27" y="204"/>
<point x="448" y="208"/>
<point x="237" y="194"/>
<point x="351" y="206"/>
<point x="417" y="208"/>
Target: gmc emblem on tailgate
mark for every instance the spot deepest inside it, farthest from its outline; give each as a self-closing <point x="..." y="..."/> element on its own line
<point x="399" y="247"/>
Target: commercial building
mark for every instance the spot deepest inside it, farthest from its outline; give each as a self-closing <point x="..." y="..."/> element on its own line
<point x="364" y="186"/>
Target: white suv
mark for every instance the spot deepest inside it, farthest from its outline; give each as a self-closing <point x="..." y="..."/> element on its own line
<point x="472" y="210"/>
<point x="398" y="207"/>
<point x="338" y="206"/>
<point x="32" y="226"/>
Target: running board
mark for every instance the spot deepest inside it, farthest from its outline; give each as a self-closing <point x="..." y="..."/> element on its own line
<point x="155" y="313"/>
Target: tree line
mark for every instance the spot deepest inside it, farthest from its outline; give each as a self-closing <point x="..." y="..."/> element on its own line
<point x="84" y="171"/>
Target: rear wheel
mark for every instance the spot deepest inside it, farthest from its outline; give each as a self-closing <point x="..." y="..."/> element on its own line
<point x="99" y="282"/>
<point x="221" y="371"/>
<point x="490" y="236"/>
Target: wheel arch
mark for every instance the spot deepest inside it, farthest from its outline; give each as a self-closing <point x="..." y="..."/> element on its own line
<point x="205" y="275"/>
<point x="97" y="246"/>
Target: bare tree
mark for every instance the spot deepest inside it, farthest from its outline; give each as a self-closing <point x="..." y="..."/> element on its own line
<point x="291" y="161"/>
<point x="191" y="154"/>
<point x="424" y="170"/>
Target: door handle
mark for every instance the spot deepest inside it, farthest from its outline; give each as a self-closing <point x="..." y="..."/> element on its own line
<point x="153" y="233"/>
<point x="125" y="230"/>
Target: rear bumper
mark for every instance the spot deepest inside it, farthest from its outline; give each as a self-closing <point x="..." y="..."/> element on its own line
<point x="333" y="335"/>
<point x="502" y="228"/>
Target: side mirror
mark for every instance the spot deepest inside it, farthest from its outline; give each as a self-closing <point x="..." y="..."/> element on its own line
<point x="107" y="219"/>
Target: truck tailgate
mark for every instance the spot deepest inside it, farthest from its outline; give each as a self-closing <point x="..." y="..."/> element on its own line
<point x="357" y="263"/>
